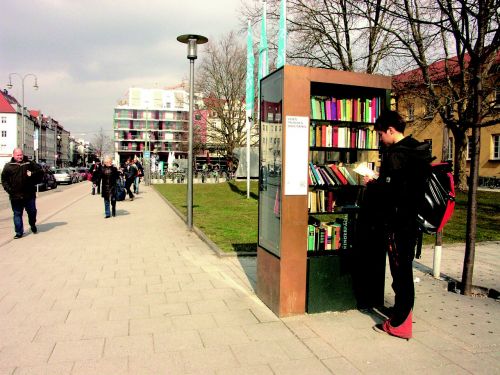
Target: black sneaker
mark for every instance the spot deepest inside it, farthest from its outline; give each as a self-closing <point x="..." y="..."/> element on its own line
<point x="17" y="236"/>
<point x="34" y="229"/>
<point x="107" y="217"/>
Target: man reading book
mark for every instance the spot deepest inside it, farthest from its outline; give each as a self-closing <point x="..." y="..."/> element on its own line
<point x="400" y="186"/>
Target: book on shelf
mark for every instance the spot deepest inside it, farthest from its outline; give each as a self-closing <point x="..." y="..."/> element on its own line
<point x="326" y="236"/>
<point x="343" y="169"/>
<point x="345" y="109"/>
<point x="341" y="136"/>
<point x="339" y="174"/>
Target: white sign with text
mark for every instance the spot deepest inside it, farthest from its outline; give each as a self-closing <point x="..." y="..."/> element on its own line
<point x="297" y="151"/>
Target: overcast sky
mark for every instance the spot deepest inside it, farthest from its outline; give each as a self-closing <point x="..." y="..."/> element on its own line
<point x="87" y="53"/>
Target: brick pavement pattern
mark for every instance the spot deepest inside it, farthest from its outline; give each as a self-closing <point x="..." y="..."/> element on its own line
<point x="139" y="294"/>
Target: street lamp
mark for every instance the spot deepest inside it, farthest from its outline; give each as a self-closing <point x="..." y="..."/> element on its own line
<point x="192" y="41"/>
<point x="35" y="86"/>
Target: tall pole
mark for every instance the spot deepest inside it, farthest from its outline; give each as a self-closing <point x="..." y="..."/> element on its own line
<point x="190" y="146"/>
<point x="35" y="86"/>
<point x="192" y="41"/>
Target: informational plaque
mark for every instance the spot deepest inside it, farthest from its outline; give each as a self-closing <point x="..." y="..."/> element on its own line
<point x="297" y="151"/>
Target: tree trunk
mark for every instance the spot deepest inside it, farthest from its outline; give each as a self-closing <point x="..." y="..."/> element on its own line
<point x="470" y="244"/>
<point x="460" y="172"/>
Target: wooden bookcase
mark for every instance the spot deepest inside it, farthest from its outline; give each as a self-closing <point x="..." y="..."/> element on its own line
<point x="290" y="279"/>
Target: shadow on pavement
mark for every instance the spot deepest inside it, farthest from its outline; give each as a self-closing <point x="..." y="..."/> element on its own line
<point x="45" y="227"/>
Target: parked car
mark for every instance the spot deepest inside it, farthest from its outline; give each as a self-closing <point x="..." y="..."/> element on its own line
<point x="75" y="174"/>
<point x="48" y="180"/>
<point x="63" y="176"/>
<point x="85" y="174"/>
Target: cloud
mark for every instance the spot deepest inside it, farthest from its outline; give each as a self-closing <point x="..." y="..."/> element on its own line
<point x="87" y="53"/>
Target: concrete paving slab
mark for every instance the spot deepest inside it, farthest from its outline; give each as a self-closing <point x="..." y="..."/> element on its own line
<point x="83" y="296"/>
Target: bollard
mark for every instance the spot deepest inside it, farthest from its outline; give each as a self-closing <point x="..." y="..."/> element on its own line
<point x="436" y="266"/>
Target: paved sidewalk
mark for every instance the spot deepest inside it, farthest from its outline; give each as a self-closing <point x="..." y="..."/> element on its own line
<point x="139" y="294"/>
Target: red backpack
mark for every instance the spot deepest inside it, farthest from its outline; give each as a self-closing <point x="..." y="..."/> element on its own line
<point x="438" y="204"/>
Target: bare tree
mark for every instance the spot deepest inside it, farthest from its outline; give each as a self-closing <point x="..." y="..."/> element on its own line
<point x="101" y="143"/>
<point x="338" y="34"/>
<point x="455" y="46"/>
<point x="221" y="82"/>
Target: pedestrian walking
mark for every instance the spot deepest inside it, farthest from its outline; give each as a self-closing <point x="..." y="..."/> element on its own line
<point x="96" y="171"/>
<point x="400" y="188"/>
<point x="109" y="178"/>
<point x="130" y="173"/>
<point x="19" y="179"/>
<point x="140" y="173"/>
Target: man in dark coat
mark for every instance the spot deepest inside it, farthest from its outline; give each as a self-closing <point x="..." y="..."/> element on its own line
<point x="130" y="173"/>
<point x="96" y="171"/>
<point x="109" y="177"/>
<point x="19" y="179"/>
<point x="403" y="171"/>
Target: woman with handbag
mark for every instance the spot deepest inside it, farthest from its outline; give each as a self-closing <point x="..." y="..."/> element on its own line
<point x="109" y="176"/>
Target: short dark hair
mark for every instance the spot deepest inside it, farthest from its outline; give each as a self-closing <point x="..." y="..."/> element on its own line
<point x="390" y="118"/>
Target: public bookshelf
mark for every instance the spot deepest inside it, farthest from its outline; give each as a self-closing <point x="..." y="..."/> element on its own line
<point x="317" y="139"/>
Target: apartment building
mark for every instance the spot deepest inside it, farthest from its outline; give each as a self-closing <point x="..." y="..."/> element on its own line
<point x="154" y="121"/>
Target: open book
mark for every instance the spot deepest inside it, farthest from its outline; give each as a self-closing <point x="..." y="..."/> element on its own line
<point x="363" y="170"/>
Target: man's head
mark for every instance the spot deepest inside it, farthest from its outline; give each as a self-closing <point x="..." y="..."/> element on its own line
<point x="390" y="127"/>
<point x="18" y="155"/>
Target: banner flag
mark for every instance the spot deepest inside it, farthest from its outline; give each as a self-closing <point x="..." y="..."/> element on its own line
<point x="282" y="36"/>
<point x="250" y="92"/>
<point x="263" y="60"/>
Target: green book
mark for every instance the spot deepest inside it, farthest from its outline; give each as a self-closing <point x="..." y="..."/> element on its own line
<point x="310" y="237"/>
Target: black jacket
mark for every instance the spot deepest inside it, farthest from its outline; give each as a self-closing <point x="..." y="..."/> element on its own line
<point x="109" y="176"/>
<point x="19" y="179"/>
<point x="403" y="171"/>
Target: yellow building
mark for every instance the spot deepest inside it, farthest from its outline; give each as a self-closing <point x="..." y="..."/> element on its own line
<point x="412" y="101"/>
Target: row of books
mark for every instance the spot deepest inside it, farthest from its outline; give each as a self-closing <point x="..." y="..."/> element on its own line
<point x="328" y="135"/>
<point x="327" y="236"/>
<point x="330" y="175"/>
<point x="320" y="201"/>
<point x="348" y="109"/>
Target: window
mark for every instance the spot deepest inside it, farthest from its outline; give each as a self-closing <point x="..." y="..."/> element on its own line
<point x="4" y="119"/>
<point x="197" y="117"/>
<point x="496" y="146"/>
<point x="4" y="133"/>
<point x="411" y="112"/>
<point x="469" y="148"/>
<point x="429" y="110"/>
<point x="497" y="97"/>
<point x="449" y="150"/>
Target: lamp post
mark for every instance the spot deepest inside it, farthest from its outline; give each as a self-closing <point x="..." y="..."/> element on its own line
<point x="35" y="86"/>
<point x="192" y="41"/>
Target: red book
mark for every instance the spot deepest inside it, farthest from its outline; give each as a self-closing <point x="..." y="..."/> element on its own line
<point x="335" y="136"/>
<point x="339" y="174"/>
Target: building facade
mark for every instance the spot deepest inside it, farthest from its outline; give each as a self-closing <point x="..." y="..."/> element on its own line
<point x="154" y="121"/>
<point x="425" y="124"/>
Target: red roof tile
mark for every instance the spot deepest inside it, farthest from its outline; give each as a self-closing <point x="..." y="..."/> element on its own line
<point x="7" y="103"/>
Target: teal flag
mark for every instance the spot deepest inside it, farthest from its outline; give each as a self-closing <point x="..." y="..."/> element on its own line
<point x="263" y="61"/>
<point x="250" y="94"/>
<point x="282" y="37"/>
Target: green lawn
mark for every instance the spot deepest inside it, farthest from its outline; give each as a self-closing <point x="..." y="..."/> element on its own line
<point x="223" y="212"/>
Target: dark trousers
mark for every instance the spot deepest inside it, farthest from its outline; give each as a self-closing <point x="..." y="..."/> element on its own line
<point x="18" y="205"/>
<point x="128" y="184"/>
<point x="107" y="203"/>
<point x="401" y="251"/>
